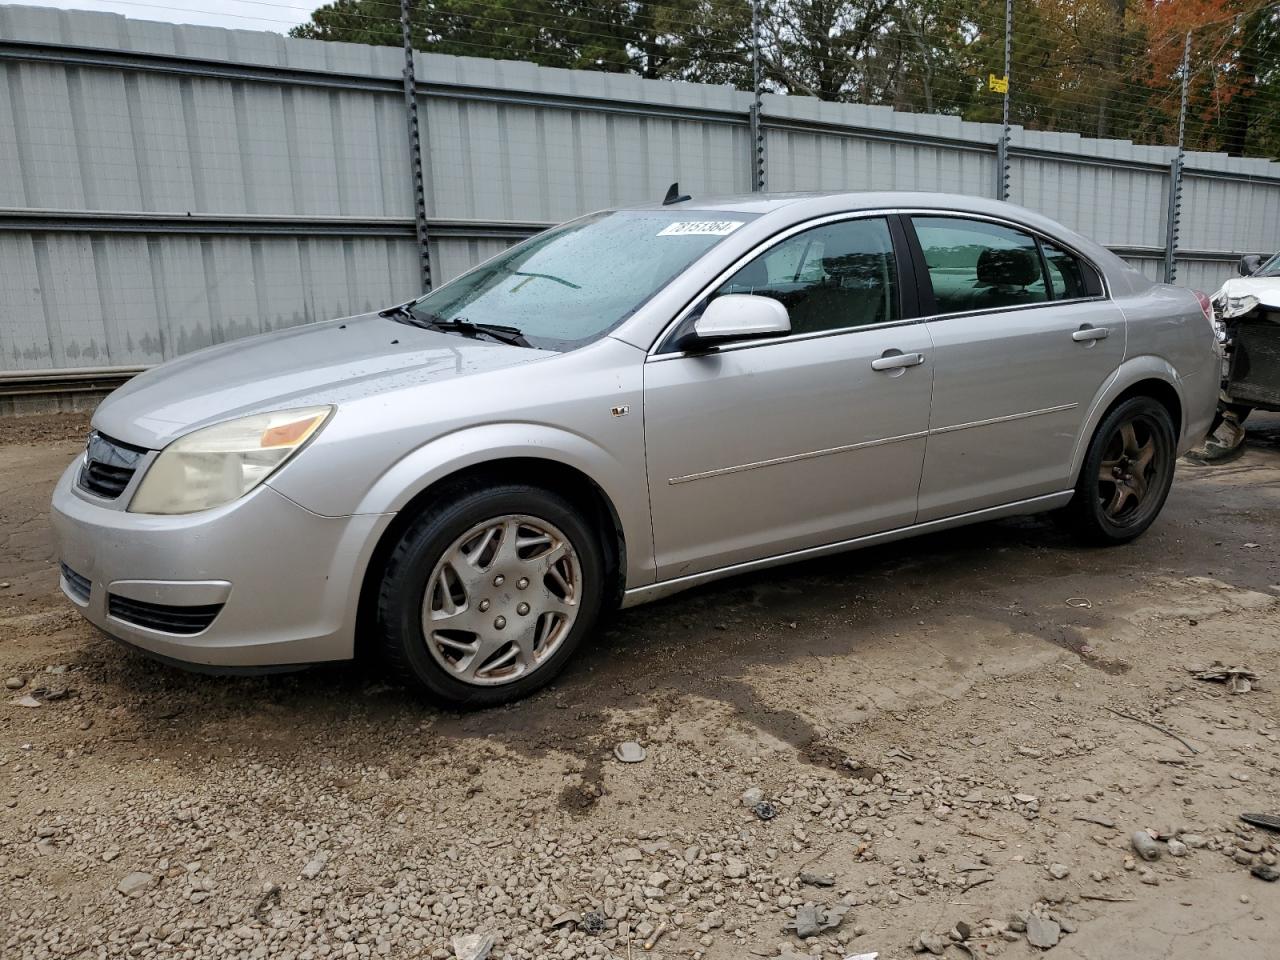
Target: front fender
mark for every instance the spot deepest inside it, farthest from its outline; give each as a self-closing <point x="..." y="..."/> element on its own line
<point x="1130" y="372"/>
<point x="622" y="481"/>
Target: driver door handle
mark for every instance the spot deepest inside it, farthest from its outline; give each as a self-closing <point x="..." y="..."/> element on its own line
<point x="897" y="361"/>
<point x="1086" y="333"/>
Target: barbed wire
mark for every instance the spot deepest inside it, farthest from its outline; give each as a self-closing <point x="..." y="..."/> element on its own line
<point x="1067" y="76"/>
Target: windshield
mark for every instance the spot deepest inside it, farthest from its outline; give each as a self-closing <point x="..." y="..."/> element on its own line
<point x="573" y="284"/>
<point x="1269" y="269"/>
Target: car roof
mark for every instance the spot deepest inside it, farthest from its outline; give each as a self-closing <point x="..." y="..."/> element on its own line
<point x="735" y="203"/>
<point x="760" y="203"/>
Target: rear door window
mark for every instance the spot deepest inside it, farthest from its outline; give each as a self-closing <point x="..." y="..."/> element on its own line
<point x="975" y="265"/>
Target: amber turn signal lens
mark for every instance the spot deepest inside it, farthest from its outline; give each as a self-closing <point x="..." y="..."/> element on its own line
<point x="289" y="434"/>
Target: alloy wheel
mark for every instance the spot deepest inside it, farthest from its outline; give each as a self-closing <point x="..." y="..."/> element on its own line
<point x="502" y="599"/>
<point x="1130" y="469"/>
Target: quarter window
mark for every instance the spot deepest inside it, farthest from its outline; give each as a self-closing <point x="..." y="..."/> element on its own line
<point x="1070" y="277"/>
<point x="830" y="277"/>
<point x="974" y="265"/>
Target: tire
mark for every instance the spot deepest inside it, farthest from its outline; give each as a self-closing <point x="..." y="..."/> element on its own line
<point x="478" y="555"/>
<point x="1121" y="506"/>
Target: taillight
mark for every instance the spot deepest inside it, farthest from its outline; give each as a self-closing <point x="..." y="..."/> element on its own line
<point x="1218" y="330"/>
<point x="1206" y="305"/>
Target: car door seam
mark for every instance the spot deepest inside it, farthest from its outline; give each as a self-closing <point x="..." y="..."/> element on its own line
<point x="933" y="385"/>
<point x="648" y="483"/>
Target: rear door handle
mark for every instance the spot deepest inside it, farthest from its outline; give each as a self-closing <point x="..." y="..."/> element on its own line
<point x="1086" y="333"/>
<point x="897" y="361"/>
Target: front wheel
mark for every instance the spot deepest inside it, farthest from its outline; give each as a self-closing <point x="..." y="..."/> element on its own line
<point x="487" y="595"/>
<point x="1126" y="474"/>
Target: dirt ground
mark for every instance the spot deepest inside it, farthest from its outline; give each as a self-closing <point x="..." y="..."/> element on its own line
<point x="936" y="725"/>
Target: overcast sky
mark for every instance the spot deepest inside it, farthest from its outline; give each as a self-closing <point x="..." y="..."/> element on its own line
<point x="276" y="15"/>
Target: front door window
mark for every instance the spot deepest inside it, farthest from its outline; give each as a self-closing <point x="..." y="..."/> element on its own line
<point x="831" y="277"/>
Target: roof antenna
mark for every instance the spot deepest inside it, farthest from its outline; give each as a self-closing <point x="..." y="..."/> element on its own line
<point x="674" y="195"/>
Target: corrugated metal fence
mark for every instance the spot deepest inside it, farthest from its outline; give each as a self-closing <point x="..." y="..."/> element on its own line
<point x="166" y="187"/>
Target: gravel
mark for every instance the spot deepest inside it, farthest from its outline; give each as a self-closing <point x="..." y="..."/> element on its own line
<point x="325" y="815"/>
<point x="136" y="884"/>
<point x="1042" y="932"/>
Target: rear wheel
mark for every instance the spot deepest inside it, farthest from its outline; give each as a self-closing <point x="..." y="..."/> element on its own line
<point x="1126" y="474"/>
<point x="486" y="597"/>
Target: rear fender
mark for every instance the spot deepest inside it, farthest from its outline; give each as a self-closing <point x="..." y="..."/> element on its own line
<point x="1130" y="372"/>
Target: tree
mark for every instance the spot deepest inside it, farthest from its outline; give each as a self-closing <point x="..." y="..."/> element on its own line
<point x="1235" y="56"/>
<point x="1109" y="68"/>
<point x="649" y="38"/>
<point x="709" y="41"/>
<point x="353" y="21"/>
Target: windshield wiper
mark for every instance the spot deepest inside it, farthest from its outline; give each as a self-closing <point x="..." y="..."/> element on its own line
<point x="512" y="336"/>
<point x="547" y="276"/>
<point x="404" y="313"/>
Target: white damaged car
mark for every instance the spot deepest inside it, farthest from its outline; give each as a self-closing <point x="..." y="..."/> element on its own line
<point x="1247" y="308"/>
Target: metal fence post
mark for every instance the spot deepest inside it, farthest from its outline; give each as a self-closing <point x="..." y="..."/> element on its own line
<point x="757" y="133"/>
<point x="415" y="145"/>
<point x="1175" y="173"/>
<point x="1002" y="148"/>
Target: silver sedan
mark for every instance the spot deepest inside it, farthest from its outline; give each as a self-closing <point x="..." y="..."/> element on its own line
<point x="628" y="405"/>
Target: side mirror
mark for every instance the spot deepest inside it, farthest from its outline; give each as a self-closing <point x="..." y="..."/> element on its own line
<point x="740" y="316"/>
<point x="1249" y="264"/>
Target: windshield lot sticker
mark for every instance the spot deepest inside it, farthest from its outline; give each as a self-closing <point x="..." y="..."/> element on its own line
<point x="700" y="228"/>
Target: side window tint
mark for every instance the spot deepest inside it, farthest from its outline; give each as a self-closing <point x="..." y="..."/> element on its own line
<point x="974" y="265"/>
<point x="1069" y="276"/>
<point x="830" y="277"/>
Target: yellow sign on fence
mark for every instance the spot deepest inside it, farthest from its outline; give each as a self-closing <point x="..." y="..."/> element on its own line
<point x="997" y="84"/>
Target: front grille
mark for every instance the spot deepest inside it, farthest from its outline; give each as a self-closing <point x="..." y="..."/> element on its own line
<point x="162" y="616"/>
<point x="109" y="465"/>
<point x="78" y="585"/>
<point x="1255" y="365"/>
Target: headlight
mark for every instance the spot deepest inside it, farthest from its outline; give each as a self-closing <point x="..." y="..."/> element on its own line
<point x="1238" y="306"/>
<point x="222" y="463"/>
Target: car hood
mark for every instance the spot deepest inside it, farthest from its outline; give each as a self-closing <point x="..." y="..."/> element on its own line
<point x="1266" y="290"/>
<point x="314" y="364"/>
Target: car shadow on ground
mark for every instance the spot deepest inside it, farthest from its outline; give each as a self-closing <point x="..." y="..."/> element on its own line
<point x="1010" y="577"/>
<point x="1004" y="585"/>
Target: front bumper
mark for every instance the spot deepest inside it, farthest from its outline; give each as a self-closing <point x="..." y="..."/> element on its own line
<point x="284" y="582"/>
<point x="1253" y="375"/>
